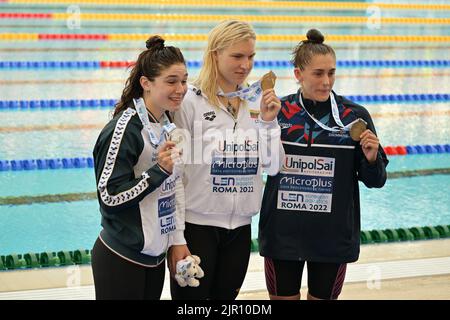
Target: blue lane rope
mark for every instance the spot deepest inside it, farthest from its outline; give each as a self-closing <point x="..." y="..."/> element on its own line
<point x="42" y="164"/>
<point x="197" y="64"/>
<point x="56" y="104"/>
<point x="25" y="105"/>
<point x="88" y="162"/>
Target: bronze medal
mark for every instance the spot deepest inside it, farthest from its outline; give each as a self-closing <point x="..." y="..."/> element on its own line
<point x="268" y="81"/>
<point x="357" y="129"/>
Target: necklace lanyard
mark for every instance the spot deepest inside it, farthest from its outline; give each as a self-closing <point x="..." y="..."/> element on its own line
<point x="167" y="128"/>
<point x="334" y="110"/>
<point x="250" y="93"/>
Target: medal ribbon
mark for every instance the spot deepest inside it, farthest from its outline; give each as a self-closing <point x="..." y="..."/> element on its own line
<point x="334" y="109"/>
<point x="250" y="93"/>
<point x="167" y="128"/>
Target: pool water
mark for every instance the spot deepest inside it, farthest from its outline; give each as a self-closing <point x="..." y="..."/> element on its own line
<point x="42" y="134"/>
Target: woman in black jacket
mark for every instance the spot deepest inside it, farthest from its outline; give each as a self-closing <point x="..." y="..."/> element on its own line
<point x="311" y="209"/>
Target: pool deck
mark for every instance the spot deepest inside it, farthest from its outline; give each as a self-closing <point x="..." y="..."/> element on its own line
<point x="416" y="270"/>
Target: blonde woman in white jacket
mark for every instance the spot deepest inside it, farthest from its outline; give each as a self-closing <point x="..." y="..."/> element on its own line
<point x="226" y="149"/>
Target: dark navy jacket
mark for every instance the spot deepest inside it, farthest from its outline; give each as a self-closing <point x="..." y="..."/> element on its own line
<point x="311" y="209"/>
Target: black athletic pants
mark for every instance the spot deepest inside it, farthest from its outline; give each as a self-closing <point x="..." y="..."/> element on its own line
<point x="117" y="278"/>
<point x="224" y="258"/>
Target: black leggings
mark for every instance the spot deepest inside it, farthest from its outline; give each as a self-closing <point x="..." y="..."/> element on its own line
<point x="117" y="278"/>
<point x="224" y="258"/>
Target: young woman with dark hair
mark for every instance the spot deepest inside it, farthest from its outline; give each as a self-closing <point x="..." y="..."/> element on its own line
<point x="311" y="211"/>
<point x="136" y="182"/>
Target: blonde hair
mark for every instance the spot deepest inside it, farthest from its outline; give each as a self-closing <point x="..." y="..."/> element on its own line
<point x="222" y="36"/>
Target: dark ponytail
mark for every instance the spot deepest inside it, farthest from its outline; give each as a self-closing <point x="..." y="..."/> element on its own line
<point x="306" y="49"/>
<point x="314" y="36"/>
<point x="150" y="63"/>
<point x="155" y="43"/>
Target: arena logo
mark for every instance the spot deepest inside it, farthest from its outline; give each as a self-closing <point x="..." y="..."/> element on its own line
<point x="210" y="116"/>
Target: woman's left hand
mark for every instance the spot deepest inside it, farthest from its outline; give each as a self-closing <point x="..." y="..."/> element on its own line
<point x="369" y="144"/>
<point x="270" y="105"/>
<point x="175" y="254"/>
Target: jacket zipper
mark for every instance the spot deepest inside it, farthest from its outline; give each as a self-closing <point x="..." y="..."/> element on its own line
<point x="234" y="119"/>
<point x="234" y="193"/>
<point x="310" y="134"/>
<point x="234" y="209"/>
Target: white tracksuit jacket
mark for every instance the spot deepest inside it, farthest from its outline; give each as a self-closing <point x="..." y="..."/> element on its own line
<point x="224" y="160"/>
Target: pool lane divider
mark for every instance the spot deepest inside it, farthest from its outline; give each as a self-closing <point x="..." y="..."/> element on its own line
<point x="63" y="258"/>
<point x="42" y="164"/>
<point x="326" y="5"/>
<point x="60" y="127"/>
<point x="295" y="38"/>
<point x="417" y="173"/>
<point x="99" y="126"/>
<point x="48" y="198"/>
<point x="285" y="19"/>
<point x="417" y="149"/>
<point x="88" y="162"/>
<point x="53" y="65"/>
<point x="86" y="196"/>
<point x="88" y="104"/>
<point x="194" y="48"/>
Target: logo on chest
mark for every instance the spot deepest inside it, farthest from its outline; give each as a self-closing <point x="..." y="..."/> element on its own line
<point x="339" y="134"/>
<point x="284" y="125"/>
<point x="210" y="115"/>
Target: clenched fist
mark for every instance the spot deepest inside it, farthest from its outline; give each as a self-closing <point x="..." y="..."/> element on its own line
<point x="165" y="158"/>
<point x="270" y="105"/>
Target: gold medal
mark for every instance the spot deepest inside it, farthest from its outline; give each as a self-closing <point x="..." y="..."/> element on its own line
<point x="357" y="129"/>
<point x="268" y="81"/>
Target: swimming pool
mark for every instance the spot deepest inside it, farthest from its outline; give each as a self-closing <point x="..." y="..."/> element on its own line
<point x="58" y="211"/>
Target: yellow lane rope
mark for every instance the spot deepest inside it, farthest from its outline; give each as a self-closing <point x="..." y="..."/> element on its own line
<point x="248" y="18"/>
<point x="248" y="4"/>
<point x="203" y="37"/>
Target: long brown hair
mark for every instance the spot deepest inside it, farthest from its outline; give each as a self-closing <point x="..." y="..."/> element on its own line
<point x="150" y="64"/>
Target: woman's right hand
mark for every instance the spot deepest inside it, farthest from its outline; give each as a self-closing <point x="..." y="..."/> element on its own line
<point x="176" y="253"/>
<point x="165" y="160"/>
